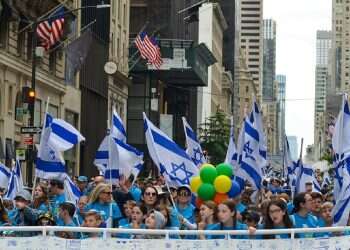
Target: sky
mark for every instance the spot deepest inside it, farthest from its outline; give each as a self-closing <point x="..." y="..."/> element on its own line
<point x="297" y="23"/>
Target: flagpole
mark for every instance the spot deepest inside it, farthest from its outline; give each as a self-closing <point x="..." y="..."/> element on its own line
<point x="71" y="37"/>
<point x="41" y="137"/>
<point x="110" y="222"/>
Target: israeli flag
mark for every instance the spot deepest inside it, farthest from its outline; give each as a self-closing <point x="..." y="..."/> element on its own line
<point x="63" y="136"/>
<point x="71" y="191"/>
<point x="306" y="175"/>
<point x="172" y="161"/>
<point x="15" y="183"/>
<point x="250" y="169"/>
<point x="326" y="180"/>
<point x="50" y="163"/>
<point x="194" y="149"/>
<point x="341" y="148"/>
<point x="5" y="174"/>
<point x="258" y="125"/>
<point x="101" y="157"/>
<point x="125" y="160"/>
<point x="118" y="130"/>
<point x="231" y="155"/>
<point x="341" y="208"/>
<point x="289" y="167"/>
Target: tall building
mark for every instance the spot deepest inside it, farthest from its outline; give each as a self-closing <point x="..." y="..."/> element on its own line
<point x="212" y="24"/>
<point x="171" y="92"/>
<point x="293" y="147"/>
<point x="269" y="55"/>
<point x="16" y="71"/>
<point x="340" y="61"/>
<point x="323" y="46"/>
<point x="251" y="39"/>
<point x="281" y="112"/>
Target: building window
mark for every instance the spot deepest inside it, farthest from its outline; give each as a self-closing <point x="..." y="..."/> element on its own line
<point x="52" y="61"/>
<point x="9" y="152"/>
<point x="4" y="32"/>
<point x="10" y="101"/>
<point x="70" y="155"/>
<point x="53" y="110"/>
<point x="21" y="42"/>
<point x="19" y="107"/>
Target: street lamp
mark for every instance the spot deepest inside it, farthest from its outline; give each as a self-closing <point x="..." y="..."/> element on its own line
<point x="34" y="42"/>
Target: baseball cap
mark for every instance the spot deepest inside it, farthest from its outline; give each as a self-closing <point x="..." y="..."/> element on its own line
<point x="24" y="194"/>
<point x="187" y="187"/>
<point x="82" y="178"/>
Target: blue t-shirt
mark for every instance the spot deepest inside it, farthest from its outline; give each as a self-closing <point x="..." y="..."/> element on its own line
<point x="309" y="221"/>
<point x="104" y="209"/>
<point x="240" y="207"/>
<point x="239" y="226"/>
<point x="187" y="212"/>
<point x="135" y="193"/>
<point x="55" y="203"/>
<point x="128" y="226"/>
<point x="124" y="221"/>
<point x="290" y="207"/>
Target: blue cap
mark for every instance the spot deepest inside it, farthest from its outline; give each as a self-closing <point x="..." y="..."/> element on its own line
<point x="82" y="178"/>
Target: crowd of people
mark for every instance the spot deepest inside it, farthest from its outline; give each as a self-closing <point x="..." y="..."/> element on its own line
<point x="150" y="204"/>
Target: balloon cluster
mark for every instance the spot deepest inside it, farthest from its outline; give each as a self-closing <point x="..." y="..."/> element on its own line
<point x="214" y="183"/>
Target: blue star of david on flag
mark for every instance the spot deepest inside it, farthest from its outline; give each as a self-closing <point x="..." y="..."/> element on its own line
<point x="198" y="156"/>
<point x="248" y="151"/>
<point x="180" y="171"/>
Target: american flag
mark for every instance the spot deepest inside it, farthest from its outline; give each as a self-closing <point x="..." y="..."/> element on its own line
<point x="51" y="30"/>
<point x="149" y="49"/>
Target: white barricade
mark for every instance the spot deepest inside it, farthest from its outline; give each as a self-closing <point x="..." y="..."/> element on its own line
<point x="45" y="242"/>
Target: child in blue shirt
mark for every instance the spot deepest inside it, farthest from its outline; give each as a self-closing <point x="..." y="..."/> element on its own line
<point x="66" y="212"/>
<point x="227" y="220"/>
<point x="128" y="206"/>
<point x="208" y="221"/>
<point x="138" y="214"/>
<point x="277" y="218"/>
<point x="92" y="219"/>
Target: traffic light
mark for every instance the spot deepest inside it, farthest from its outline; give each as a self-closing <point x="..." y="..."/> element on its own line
<point x="28" y="95"/>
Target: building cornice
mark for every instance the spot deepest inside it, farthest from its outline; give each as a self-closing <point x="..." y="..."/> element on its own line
<point x="16" y="65"/>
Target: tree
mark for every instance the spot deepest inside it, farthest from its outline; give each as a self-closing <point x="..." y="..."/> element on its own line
<point x="214" y="136"/>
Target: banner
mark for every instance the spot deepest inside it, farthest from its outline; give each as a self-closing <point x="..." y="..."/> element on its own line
<point x="54" y="243"/>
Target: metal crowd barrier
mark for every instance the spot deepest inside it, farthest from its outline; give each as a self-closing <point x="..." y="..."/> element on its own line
<point x="106" y="232"/>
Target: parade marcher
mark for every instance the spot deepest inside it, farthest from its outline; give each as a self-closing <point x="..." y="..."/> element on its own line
<point x="138" y="214"/>
<point x="277" y="218"/>
<point x="101" y="200"/>
<point x="41" y="200"/>
<point x="56" y="190"/>
<point x="92" y="219"/>
<point x="227" y="217"/>
<point x="66" y="212"/>
<point x="302" y="217"/>
<point x="150" y="197"/>
<point x="208" y="220"/>
<point x="326" y="219"/>
<point x="4" y="219"/>
<point x="154" y="220"/>
<point x="82" y="183"/>
<point x="80" y="212"/>
<point x="127" y="210"/>
<point x="317" y="200"/>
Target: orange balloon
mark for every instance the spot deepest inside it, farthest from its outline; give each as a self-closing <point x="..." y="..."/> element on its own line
<point x="199" y="203"/>
<point x="220" y="198"/>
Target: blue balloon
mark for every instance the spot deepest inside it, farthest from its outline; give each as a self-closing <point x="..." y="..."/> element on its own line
<point x="235" y="190"/>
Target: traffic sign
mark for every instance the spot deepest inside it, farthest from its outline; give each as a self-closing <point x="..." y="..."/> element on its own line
<point x="28" y="140"/>
<point x="30" y="130"/>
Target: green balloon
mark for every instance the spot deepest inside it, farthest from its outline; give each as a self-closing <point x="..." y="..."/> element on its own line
<point x="224" y="169"/>
<point x="208" y="173"/>
<point x="206" y="191"/>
